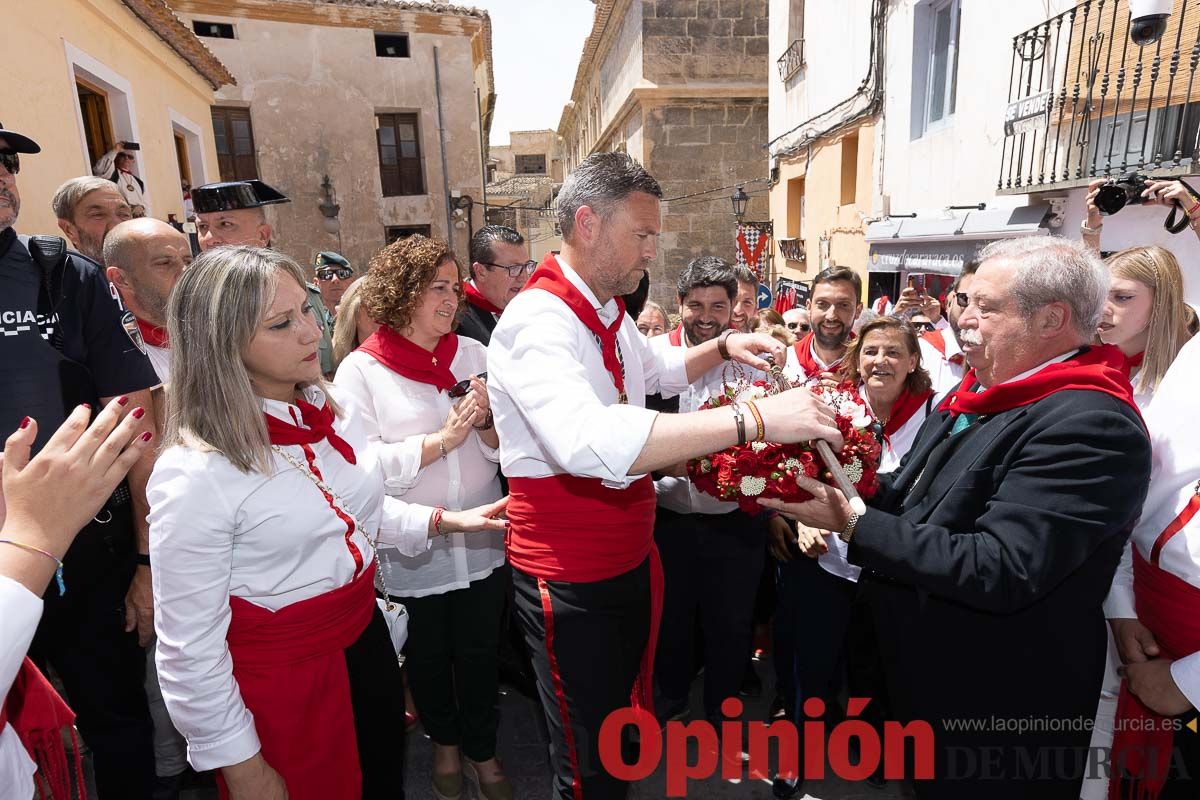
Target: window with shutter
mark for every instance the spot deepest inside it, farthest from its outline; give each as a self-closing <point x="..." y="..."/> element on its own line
<point x="234" y="137"/>
<point x="400" y="168"/>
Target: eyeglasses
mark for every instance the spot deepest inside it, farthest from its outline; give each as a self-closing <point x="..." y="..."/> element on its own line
<point x="924" y="327"/>
<point x="516" y="270"/>
<point x="796" y="326"/>
<point x="11" y="162"/>
<point x="961" y="299"/>
<point x="329" y="273"/>
<point x="461" y="388"/>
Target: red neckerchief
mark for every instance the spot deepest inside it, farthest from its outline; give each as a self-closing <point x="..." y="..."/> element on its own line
<point x="402" y="356"/>
<point x="320" y="426"/>
<point x="1133" y="362"/>
<point x="804" y="354"/>
<point x="1097" y="369"/>
<point x="549" y="277"/>
<point x="938" y="342"/>
<point x="38" y="715"/>
<point x="152" y="335"/>
<point x="676" y="336"/>
<point x="476" y="298"/>
<point x="906" y="405"/>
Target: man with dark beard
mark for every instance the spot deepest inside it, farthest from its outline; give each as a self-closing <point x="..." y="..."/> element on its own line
<point x="87" y="209"/>
<point x="745" y="303"/>
<point x="712" y="553"/>
<point x="144" y="259"/>
<point x="832" y="308"/>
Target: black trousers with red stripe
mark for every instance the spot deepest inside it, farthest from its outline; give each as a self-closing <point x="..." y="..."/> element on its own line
<point x="586" y="641"/>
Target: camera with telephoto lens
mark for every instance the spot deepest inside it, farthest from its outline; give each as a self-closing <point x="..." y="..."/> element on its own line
<point x="1120" y="192"/>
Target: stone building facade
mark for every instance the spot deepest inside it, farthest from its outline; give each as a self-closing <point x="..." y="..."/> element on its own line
<point x="681" y="86"/>
<point x="349" y="89"/>
<point x="523" y="179"/>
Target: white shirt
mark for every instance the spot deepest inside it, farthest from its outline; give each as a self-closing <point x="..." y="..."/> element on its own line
<point x="895" y="447"/>
<point x="20" y="610"/>
<point x="1174" y="472"/>
<point x="160" y="359"/>
<point x="796" y="372"/>
<point x="272" y="540"/>
<point x="943" y="373"/>
<point x="129" y="188"/>
<point x="554" y="402"/>
<point x="679" y="494"/>
<point x="396" y="414"/>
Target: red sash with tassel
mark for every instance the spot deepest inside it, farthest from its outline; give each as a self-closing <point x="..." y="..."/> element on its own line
<point x="38" y="715"/>
<point x="290" y="667"/>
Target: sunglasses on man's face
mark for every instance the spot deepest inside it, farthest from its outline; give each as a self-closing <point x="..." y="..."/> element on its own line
<point x="329" y="273"/>
<point x="461" y="388"/>
<point x="801" y="327"/>
<point x="515" y="270"/>
<point x="923" y="327"/>
<point x="11" y="162"/>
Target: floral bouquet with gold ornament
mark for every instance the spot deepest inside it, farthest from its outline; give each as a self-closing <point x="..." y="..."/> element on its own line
<point x="744" y="473"/>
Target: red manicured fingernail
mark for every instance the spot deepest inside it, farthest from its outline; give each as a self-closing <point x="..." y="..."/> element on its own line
<point x="122" y="400"/>
<point x="147" y="436"/>
<point x="88" y="406"/>
<point x="138" y="413"/>
<point x="25" y="423"/>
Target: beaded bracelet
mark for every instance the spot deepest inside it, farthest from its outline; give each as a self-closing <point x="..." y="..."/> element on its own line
<point x="58" y="573"/>
<point x="758" y="420"/>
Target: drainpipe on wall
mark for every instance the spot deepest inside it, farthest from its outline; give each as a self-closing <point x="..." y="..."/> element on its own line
<point x="483" y="151"/>
<point x="437" y="84"/>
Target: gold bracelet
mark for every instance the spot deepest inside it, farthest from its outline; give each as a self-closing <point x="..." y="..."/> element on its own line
<point x="442" y="446"/>
<point x="758" y="420"/>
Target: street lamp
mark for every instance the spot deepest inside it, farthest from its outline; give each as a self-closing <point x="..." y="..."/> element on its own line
<point x="330" y="209"/>
<point x="740" y="198"/>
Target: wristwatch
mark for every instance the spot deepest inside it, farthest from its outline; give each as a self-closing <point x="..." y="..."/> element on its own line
<point x="143" y="559"/>
<point x="851" y="524"/>
<point x="722" y="345"/>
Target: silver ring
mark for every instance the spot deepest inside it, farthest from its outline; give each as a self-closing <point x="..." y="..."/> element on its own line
<point x="108" y="519"/>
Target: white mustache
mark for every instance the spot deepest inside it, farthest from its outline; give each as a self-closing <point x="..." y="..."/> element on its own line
<point x="970" y="337"/>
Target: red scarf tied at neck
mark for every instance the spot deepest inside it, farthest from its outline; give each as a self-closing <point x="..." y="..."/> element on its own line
<point x="804" y="354"/>
<point x="1096" y="369"/>
<point x="476" y="298"/>
<point x="549" y="277"/>
<point x="404" y="357"/>
<point x="906" y="405"/>
<point x="153" y="335"/>
<point x="675" y="336"/>
<point x="320" y="426"/>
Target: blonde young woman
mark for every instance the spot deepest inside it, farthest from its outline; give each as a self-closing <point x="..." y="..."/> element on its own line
<point x="353" y="326"/>
<point x="266" y="506"/>
<point x="1145" y="315"/>
<point x="418" y="390"/>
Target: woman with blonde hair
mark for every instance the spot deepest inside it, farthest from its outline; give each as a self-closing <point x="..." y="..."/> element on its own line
<point x="417" y="387"/>
<point x="1145" y="315"/>
<point x="353" y="325"/>
<point x="265" y="510"/>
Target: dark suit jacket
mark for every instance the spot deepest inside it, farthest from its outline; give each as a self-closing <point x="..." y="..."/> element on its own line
<point x="477" y="324"/>
<point x="987" y="556"/>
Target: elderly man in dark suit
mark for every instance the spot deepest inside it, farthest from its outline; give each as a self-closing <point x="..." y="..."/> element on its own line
<point x="987" y="555"/>
<point x="500" y="266"/>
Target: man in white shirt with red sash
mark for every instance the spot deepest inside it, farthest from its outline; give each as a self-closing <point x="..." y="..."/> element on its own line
<point x="941" y="353"/>
<point x="1154" y="606"/>
<point x="567" y="374"/>
<point x="832" y="309"/>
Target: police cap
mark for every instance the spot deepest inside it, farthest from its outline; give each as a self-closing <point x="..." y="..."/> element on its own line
<point x="234" y="195"/>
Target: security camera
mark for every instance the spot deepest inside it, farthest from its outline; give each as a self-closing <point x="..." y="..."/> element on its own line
<point x="1148" y="20"/>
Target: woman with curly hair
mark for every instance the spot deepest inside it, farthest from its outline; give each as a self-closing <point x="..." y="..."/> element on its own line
<point x="418" y="389"/>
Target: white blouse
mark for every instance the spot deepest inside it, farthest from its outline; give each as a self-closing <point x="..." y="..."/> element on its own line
<point x="272" y="540"/>
<point x="20" y="610"/>
<point x="944" y="374"/>
<point x="396" y="414"/>
<point x="555" y="404"/>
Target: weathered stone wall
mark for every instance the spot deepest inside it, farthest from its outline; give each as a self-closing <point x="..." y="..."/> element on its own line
<point x="696" y="146"/>
<point x="704" y="41"/>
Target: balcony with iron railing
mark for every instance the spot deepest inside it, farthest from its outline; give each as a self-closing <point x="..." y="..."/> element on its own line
<point x="1086" y="102"/>
<point x="792" y="60"/>
<point x="792" y="249"/>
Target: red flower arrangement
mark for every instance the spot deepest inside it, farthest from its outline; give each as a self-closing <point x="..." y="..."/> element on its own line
<point x="744" y="473"/>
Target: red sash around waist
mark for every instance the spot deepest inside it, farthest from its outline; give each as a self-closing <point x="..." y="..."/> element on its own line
<point x="567" y="528"/>
<point x="290" y="667"/>
<point x="38" y="715"/>
<point x="1170" y="607"/>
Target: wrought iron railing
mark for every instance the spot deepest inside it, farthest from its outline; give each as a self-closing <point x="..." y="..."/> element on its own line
<point x="792" y="60"/>
<point x="791" y="249"/>
<point x="1086" y="102"/>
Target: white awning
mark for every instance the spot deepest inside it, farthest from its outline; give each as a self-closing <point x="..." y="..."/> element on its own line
<point x="942" y="246"/>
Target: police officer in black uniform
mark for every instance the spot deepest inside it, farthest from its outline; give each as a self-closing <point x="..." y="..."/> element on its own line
<point x="62" y="343"/>
<point x="231" y="213"/>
